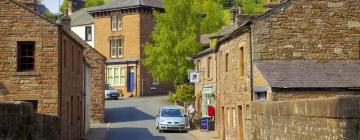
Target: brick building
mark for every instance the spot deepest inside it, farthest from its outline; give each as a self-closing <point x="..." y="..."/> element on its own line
<point x="122" y="28"/>
<point x="294" y="51"/>
<point x="43" y="62"/>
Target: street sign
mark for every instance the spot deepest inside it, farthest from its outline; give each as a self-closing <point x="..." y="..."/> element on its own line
<point x="194" y="77"/>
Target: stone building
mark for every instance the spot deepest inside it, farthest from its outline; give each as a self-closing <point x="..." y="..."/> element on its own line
<point x="294" y="51"/>
<point x="122" y="28"/>
<point x="42" y="62"/>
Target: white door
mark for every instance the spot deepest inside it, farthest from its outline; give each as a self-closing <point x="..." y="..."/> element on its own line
<point x="87" y="97"/>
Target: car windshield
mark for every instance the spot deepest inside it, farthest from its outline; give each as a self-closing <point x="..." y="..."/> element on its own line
<point x="171" y="113"/>
<point x="108" y="87"/>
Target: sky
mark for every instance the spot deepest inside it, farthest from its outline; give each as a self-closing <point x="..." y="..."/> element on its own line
<point x="53" y="5"/>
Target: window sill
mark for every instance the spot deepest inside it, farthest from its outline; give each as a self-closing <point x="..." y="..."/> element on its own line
<point x="27" y="73"/>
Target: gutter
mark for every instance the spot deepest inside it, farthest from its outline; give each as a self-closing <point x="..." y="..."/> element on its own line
<point x="251" y="65"/>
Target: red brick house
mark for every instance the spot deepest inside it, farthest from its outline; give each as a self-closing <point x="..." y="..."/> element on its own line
<point x="43" y="62"/>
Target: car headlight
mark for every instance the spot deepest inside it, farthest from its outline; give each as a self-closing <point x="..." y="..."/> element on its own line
<point x="162" y="120"/>
<point x="182" y="122"/>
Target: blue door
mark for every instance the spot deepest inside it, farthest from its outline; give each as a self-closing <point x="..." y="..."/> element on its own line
<point x="131" y="80"/>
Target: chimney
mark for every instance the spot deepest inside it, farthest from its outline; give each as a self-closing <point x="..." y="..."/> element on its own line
<point x="70" y="7"/>
<point x="31" y="4"/>
<point x="234" y="13"/>
<point x="66" y="20"/>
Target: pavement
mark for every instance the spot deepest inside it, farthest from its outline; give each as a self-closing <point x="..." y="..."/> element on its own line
<point x="133" y="119"/>
<point x="204" y="135"/>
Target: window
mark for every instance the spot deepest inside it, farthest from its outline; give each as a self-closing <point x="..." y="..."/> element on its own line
<point x="120" y="23"/>
<point x="156" y="82"/>
<point x="209" y="67"/>
<point x="64" y="50"/>
<point x="234" y="117"/>
<point x="113" y="23"/>
<point x="226" y="62"/>
<point x="116" y="23"/>
<point x="198" y="65"/>
<point x="116" y="48"/>
<point x="260" y="96"/>
<point x="110" y="76"/>
<point x="228" y="117"/>
<point x="116" y="76"/>
<point x="241" y="61"/>
<point x="88" y="33"/>
<point x="25" y="56"/>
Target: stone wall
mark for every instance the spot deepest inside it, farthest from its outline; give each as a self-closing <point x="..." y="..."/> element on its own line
<point x="336" y="118"/>
<point x="25" y="123"/>
<point x="97" y="64"/>
<point x="309" y="29"/>
<point x="233" y="89"/>
<point x="201" y="65"/>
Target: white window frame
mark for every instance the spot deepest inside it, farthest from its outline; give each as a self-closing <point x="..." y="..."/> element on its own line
<point x="120" y="76"/>
<point x="113" y="23"/>
<point x="120" y="23"/>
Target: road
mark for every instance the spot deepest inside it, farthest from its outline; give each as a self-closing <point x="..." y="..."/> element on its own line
<point x="134" y="119"/>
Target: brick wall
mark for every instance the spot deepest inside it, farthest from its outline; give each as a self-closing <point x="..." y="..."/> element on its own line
<point x="322" y="119"/>
<point x="97" y="64"/>
<point x="309" y="29"/>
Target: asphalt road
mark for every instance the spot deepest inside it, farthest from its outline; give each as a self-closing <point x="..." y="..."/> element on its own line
<point x="134" y="119"/>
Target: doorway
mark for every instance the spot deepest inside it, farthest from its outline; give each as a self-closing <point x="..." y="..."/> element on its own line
<point x="223" y="123"/>
<point x="131" y="80"/>
<point x="240" y="123"/>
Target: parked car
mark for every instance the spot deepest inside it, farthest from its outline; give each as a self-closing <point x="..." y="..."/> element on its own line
<point x="110" y="93"/>
<point x="171" y="118"/>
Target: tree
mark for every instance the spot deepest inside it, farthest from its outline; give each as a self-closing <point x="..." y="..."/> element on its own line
<point x="251" y="6"/>
<point x="175" y="37"/>
<point x="88" y="3"/>
<point x="91" y="3"/>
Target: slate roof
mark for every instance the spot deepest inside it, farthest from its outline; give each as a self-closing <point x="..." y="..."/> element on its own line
<point x="224" y="31"/>
<point x="205" y="39"/>
<point x="120" y="4"/>
<point x="82" y="17"/>
<point x="311" y="73"/>
<point x="204" y="52"/>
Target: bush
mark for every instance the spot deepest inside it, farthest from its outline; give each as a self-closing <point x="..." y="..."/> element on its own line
<point x="185" y="93"/>
<point x="171" y="97"/>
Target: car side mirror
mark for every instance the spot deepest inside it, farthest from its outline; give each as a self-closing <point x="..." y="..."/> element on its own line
<point x="157" y="115"/>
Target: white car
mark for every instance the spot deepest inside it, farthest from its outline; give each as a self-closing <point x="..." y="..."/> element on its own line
<point x="110" y="93"/>
<point x="171" y="118"/>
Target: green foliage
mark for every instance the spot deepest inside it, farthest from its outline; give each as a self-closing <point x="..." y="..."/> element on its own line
<point x="88" y="3"/>
<point x="185" y="93"/>
<point x="175" y="37"/>
<point x="91" y="3"/>
<point x="64" y="5"/>
<point x="171" y="97"/>
<point x="51" y="16"/>
<point x="251" y="6"/>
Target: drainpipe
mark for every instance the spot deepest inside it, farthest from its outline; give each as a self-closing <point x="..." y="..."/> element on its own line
<point x="251" y="66"/>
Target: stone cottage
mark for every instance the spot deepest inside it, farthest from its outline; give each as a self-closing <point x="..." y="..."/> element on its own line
<point x="43" y="63"/>
<point x="299" y="50"/>
<point x="121" y="31"/>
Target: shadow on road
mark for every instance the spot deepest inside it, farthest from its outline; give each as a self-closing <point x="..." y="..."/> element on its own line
<point x="131" y="134"/>
<point x="126" y="114"/>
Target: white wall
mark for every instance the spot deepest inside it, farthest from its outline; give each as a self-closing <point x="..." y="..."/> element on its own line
<point x="80" y="31"/>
